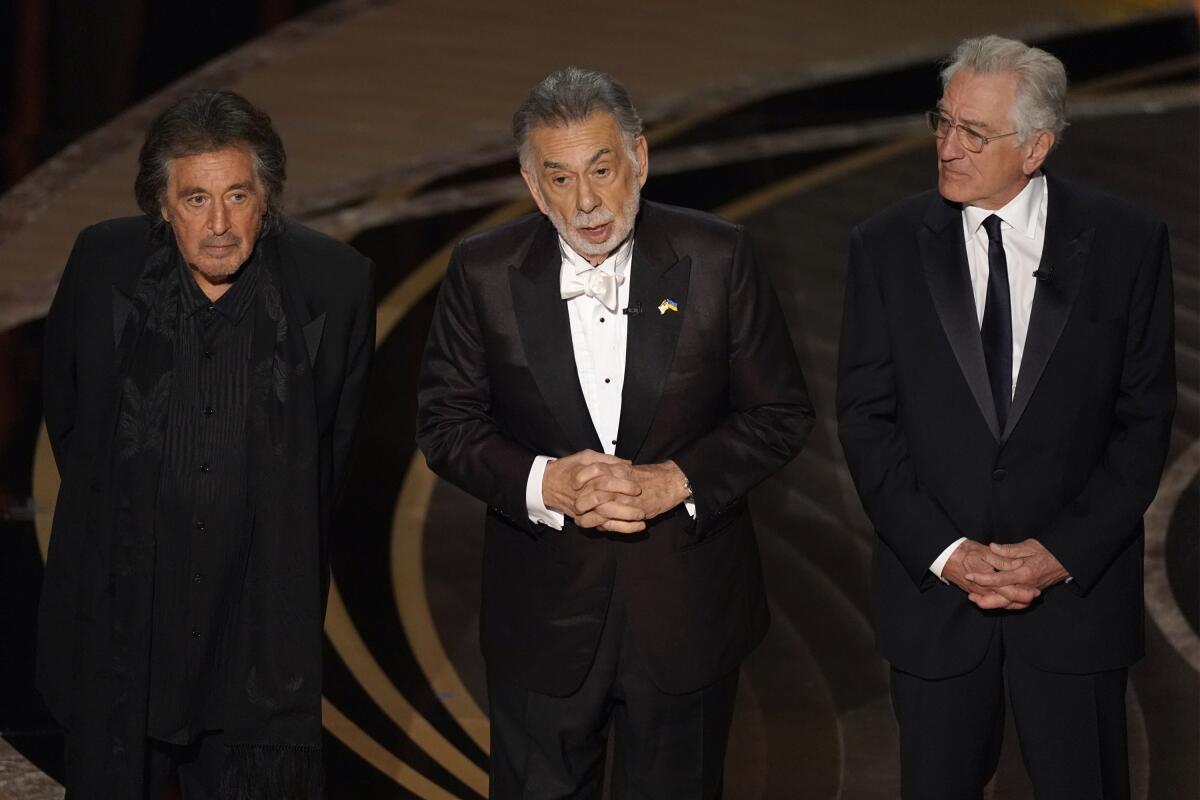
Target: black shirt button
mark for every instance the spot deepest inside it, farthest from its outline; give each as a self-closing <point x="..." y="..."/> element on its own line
<point x="207" y="353"/>
<point x="210" y="308"/>
<point x="197" y="578"/>
<point x="608" y="380"/>
<point x="204" y="467"/>
<point x="195" y="633"/>
<point x="602" y="319"/>
<point x="200" y="526"/>
<point x="208" y="411"/>
<point x="999" y="475"/>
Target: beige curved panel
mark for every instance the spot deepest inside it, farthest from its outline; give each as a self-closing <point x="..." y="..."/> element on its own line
<point x="1161" y="602"/>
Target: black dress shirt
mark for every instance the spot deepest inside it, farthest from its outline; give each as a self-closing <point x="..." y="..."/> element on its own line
<point x="201" y="512"/>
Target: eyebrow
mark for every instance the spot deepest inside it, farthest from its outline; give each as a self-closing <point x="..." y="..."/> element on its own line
<point x="188" y="191"/>
<point x="603" y="151"/>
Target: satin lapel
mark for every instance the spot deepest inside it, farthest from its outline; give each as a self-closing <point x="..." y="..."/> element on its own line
<point x="944" y="256"/>
<point x="657" y="275"/>
<point x="1064" y="257"/>
<point x="546" y="336"/>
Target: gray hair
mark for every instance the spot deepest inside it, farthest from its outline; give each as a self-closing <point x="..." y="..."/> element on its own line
<point x="1041" y="102"/>
<point x="203" y="122"/>
<point x="571" y="95"/>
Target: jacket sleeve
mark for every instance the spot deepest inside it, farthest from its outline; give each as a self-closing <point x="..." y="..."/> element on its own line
<point x="770" y="413"/>
<point x="908" y="520"/>
<point x="60" y="393"/>
<point x="1106" y="516"/>
<point x="455" y="430"/>
<point x="360" y="348"/>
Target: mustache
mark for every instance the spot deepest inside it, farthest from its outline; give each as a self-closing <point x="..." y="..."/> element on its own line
<point x="600" y="216"/>
<point x="220" y="241"/>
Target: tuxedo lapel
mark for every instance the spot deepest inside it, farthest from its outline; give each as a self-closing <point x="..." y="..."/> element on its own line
<point x="1064" y="256"/>
<point x="545" y="328"/>
<point x="944" y="256"/>
<point x="658" y="275"/>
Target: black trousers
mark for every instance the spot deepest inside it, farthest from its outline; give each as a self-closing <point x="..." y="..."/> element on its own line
<point x="665" y="746"/>
<point x="1071" y="729"/>
<point x="193" y="771"/>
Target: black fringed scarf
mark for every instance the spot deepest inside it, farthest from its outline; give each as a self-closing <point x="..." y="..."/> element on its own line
<point x="273" y="655"/>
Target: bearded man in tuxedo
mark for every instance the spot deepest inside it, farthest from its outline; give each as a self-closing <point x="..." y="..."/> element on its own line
<point x="611" y="376"/>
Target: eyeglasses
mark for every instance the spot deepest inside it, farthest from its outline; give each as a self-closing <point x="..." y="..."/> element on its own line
<point x="970" y="139"/>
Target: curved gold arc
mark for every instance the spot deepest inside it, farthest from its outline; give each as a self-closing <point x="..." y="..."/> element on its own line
<point x="344" y="637"/>
<point x="408" y="521"/>
<point x="45" y="490"/>
<point x="1161" y="602"/>
<point x="378" y="756"/>
<point x="408" y="583"/>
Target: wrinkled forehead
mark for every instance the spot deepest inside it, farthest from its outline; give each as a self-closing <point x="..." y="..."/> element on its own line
<point x="983" y="99"/>
<point x="577" y="143"/>
<point x="213" y="169"/>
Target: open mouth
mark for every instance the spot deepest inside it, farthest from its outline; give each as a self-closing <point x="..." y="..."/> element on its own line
<point x="598" y="233"/>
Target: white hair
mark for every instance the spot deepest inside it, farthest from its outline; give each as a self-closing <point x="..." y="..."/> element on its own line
<point x="1041" y="102"/>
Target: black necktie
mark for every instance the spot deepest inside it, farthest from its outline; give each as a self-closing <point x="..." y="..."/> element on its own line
<point x="996" y="330"/>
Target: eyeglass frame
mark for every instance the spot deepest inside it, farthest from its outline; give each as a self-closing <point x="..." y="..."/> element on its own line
<point x="934" y="118"/>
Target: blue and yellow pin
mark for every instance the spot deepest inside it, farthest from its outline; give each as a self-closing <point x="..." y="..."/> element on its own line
<point x="667" y="305"/>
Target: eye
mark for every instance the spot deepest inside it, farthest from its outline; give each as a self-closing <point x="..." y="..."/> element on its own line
<point x="603" y="171"/>
<point x="238" y="197"/>
<point x="559" y="180"/>
<point x="195" y="200"/>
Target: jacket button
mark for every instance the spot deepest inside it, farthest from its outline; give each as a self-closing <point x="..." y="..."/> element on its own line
<point x="1000" y="474"/>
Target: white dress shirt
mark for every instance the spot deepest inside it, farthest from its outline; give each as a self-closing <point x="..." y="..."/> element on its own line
<point x="598" y="337"/>
<point x="1023" y="231"/>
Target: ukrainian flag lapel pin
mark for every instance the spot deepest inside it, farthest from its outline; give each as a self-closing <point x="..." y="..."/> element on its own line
<point x="667" y="305"/>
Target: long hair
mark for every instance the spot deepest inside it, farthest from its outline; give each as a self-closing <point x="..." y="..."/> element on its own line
<point x="204" y="122"/>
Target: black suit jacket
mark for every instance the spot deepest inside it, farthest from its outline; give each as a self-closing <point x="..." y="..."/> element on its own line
<point x="714" y="386"/>
<point x="328" y="288"/>
<point x="1078" y="462"/>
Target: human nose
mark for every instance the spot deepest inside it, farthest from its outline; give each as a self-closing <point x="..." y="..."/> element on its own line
<point x="218" y="219"/>
<point x="949" y="147"/>
<point x="586" y="200"/>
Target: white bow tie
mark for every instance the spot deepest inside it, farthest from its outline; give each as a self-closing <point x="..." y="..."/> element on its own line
<point x="593" y="283"/>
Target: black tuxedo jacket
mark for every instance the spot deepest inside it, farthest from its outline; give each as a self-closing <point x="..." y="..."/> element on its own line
<point x="715" y="386"/>
<point x="328" y="295"/>
<point x="1077" y="463"/>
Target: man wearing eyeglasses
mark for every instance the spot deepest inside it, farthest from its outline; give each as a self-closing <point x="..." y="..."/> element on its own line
<point x="1005" y="392"/>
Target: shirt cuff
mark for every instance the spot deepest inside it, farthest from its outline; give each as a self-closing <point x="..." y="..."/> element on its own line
<point x="691" y="508"/>
<point x="939" y="563"/>
<point x="534" y="506"/>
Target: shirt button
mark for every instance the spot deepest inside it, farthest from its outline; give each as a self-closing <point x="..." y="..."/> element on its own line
<point x="999" y="474"/>
<point x="207" y="354"/>
<point x="200" y="526"/>
<point x="204" y="467"/>
<point x="208" y="411"/>
<point x="195" y="633"/>
<point x="608" y="380"/>
<point x="197" y="578"/>
<point x="602" y="319"/>
<point x="210" y="308"/>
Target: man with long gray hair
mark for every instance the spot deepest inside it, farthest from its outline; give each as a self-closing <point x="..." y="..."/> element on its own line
<point x="1005" y="392"/>
<point x="611" y="376"/>
<point x="205" y="364"/>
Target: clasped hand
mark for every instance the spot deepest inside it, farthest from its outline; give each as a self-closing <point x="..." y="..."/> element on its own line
<point x="609" y="493"/>
<point x="1003" y="576"/>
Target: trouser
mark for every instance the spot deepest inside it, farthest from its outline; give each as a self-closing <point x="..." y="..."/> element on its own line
<point x="192" y="772"/>
<point x="1071" y="730"/>
<point x="665" y="745"/>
